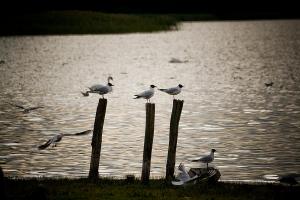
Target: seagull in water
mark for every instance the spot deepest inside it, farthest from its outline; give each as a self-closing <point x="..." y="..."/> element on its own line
<point x="206" y="159"/>
<point x="100" y="89"/>
<point x="146" y="94"/>
<point x="26" y="110"/>
<point x="173" y="91"/>
<point x="183" y="176"/>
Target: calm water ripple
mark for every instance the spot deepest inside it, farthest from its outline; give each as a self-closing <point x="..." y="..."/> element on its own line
<point x="254" y="128"/>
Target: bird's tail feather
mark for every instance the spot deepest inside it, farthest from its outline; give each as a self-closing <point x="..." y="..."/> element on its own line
<point x="137" y="97"/>
<point x="85" y="94"/>
<point x="162" y="90"/>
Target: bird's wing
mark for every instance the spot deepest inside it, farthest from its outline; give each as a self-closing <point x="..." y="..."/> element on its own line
<point x="83" y="132"/>
<point x="96" y="87"/>
<point x="173" y="90"/>
<point x="177" y="182"/>
<point x="34" y="108"/>
<point x="47" y="144"/>
<point x="18" y="106"/>
<point x="206" y="158"/>
<point x="202" y="159"/>
<point x="146" y="94"/>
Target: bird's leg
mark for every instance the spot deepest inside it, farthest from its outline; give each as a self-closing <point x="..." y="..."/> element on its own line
<point x="173" y="97"/>
<point x="102" y="96"/>
<point x="207" y="166"/>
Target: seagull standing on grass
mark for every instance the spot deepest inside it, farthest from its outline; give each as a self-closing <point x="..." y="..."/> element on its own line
<point x="100" y="89"/>
<point x="206" y="159"/>
<point x="146" y="94"/>
<point x="173" y="91"/>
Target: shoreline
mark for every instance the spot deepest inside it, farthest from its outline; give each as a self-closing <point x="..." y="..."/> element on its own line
<point x="156" y="189"/>
<point x="75" y="22"/>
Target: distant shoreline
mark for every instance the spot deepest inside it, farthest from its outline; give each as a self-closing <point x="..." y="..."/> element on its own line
<point x="92" y="22"/>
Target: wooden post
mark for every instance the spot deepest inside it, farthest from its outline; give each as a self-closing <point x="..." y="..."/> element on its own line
<point x="175" y="117"/>
<point x="97" y="139"/>
<point x="149" y="133"/>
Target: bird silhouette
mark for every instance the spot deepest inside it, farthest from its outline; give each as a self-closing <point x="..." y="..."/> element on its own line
<point x="206" y="159"/>
<point x="99" y="88"/>
<point x="173" y="91"/>
<point x="26" y="110"/>
<point x="146" y="94"/>
<point x="57" y="138"/>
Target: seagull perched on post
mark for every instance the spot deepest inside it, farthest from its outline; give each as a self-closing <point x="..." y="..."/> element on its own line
<point x="206" y="159"/>
<point x="100" y="89"/>
<point x="173" y="90"/>
<point x="146" y="94"/>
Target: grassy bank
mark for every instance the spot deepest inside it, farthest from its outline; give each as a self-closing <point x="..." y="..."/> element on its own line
<point x="83" y="22"/>
<point x="157" y="189"/>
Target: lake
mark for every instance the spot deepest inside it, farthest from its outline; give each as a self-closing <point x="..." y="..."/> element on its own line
<point x="255" y="129"/>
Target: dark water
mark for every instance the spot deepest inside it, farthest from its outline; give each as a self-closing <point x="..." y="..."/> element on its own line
<point x="255" y="129"/>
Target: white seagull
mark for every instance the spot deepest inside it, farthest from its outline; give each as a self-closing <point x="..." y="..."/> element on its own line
<point x="173" y="91"/>
<point x="54" y="140"/>
<point x="183" y="176"/>
<point x="206" y="159"/>
<point x="146" y="94"/>
<point x="100" y="89"/>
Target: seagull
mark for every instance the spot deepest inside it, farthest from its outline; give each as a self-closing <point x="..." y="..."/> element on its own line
<point x="146" y="94"/>
<point x="54" y="140"/>
<point x="206" y="159"/>
<point x="173" y="91"/>
<point x="26" y="110"/>
<point x="100" y="89"/>
<point x="183" y="176"/>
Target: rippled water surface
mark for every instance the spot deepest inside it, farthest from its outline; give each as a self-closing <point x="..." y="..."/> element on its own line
<point x="255" y="129"/>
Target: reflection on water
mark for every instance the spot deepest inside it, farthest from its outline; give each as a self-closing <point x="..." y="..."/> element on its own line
<point x="254" y="128"/>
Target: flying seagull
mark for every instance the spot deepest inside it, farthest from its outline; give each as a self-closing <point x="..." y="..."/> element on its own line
<point x="100" y="89"/>
<point x="26" y="110"/>
<point x="183" y="176"/>
<point x="206" y="159"/>
<point x="173" y="91"/>
<point x="146" y="94"/>
<point x="55" y="139"/>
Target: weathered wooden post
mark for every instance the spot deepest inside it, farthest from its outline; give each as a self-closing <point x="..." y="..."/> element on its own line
<point x="97" y="139"/>
<point x="175" y="117"/>
<point x="149" y="133"/>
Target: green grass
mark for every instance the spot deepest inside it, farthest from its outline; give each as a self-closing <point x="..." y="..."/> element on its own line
<point x="83" y="22"/>
<point x="157" y="189"/>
